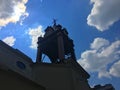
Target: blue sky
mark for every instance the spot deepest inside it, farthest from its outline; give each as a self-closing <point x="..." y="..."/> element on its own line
<point x="94" y="25"/>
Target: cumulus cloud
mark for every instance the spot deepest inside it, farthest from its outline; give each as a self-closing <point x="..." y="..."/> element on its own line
<point x="115" y="69"/>
<point x="99" y="43"/>
<point x="12" y="11"/>
<point x="34" y="34"/>
<point x="9" y="40"/>
<point x="99" y="58"/>
<point x="104" y="14"/>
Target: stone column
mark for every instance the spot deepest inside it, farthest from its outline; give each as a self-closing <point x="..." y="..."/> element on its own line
<point x="61" y="54"/>
<point x="39" y="55"/>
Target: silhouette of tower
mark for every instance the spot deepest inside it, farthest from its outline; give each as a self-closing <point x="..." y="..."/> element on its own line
<point x="56" y="44"/>
<point x="59" y="47"/>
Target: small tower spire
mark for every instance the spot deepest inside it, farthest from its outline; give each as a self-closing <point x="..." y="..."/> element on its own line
<point x="54" y="22"/>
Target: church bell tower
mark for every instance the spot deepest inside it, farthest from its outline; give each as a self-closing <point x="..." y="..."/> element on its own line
<point x="56" y="44"/>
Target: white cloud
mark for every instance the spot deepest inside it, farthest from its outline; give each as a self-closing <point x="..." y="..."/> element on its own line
<point x="99" y="58"/>
<point x="99" y="43"/>
<point x="34" y="34"/>
<point x="12" y="11"/>
<point x="115" y="69"/>
<point x="104" y="14"/>
<point x="23" y="18"/>
<point x="9" y="40"/>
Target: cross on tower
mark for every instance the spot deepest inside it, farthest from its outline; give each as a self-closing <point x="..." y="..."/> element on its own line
<point x="54" y="22"/>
